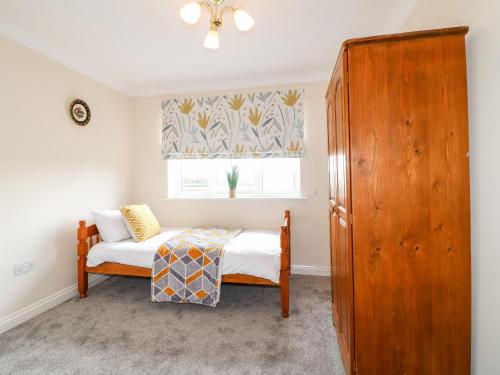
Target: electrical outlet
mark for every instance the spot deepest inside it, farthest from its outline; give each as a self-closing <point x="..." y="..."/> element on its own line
<point x="24" y="267"/>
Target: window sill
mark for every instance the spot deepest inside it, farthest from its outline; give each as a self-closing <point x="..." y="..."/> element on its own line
<point x="283" y="198"/>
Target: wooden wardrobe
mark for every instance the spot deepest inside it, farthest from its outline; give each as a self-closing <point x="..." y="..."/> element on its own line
<point x="399" y="204"/>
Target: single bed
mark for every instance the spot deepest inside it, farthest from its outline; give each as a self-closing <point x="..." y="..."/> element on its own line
<point x="253" y="257"/>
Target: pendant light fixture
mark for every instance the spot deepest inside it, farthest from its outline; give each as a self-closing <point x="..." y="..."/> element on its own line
<point x="191" y="13"/>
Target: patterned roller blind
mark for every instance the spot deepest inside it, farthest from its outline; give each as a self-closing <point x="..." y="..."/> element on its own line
<point x="258" y="125"/>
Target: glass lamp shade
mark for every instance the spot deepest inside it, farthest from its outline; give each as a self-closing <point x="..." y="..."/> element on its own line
<point x="190" y="13"/>
<point x="212" y="40"/>
<point x="243" y="20"/>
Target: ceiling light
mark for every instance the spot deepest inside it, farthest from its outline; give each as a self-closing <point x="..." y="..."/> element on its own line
<point x="212" y="39"/>
<point x="191" y="13"/>
<point x="243" y="20"/>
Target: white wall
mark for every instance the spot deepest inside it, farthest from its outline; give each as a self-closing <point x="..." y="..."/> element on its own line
<point x="310" y="231"/>
<point x="483" y="59"/>
<point x="52" y="172"/>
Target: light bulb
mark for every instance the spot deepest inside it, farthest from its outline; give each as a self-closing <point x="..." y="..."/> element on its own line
<point x="190" y="13"/>
<point x="243" y="20"/>
<point x="212" y="39"/>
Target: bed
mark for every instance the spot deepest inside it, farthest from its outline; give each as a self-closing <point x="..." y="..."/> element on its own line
<point x="253" y="257"/>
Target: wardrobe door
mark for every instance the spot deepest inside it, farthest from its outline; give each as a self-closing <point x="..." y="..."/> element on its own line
<point x="332" y="167"/>
<point x="341" y="218"/>
<point x="411" y="206"/>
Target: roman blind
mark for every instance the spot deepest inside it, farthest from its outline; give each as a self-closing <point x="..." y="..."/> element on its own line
<point x="257" y="125"/>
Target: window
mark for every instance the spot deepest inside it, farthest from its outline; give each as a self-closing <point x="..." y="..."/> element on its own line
<point x="257" y="177"/>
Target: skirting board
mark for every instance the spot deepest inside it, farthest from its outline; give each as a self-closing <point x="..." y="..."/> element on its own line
<point x="310" y="270"/>
<point x="28" y="312"/>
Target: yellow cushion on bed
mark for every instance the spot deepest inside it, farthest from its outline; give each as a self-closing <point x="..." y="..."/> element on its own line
<point x="140" y="221"/>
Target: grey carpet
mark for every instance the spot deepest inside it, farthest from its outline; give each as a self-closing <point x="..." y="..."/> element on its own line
<point x="116" y="330"/>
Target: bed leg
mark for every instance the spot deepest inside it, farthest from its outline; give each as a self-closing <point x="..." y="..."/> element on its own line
<point x="285" y="266"/>
<point x="83" y="279"/>
<point x="83" y="248"/>
<point x="285" y="294"/>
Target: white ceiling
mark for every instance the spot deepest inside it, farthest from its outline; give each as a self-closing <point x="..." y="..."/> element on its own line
<point x="141" y="47"/>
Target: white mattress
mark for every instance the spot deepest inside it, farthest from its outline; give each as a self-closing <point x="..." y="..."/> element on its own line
<point x="254" y="253"/>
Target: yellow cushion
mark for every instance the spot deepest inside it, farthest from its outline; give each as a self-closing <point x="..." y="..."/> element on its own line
<point x="140" y="221"/>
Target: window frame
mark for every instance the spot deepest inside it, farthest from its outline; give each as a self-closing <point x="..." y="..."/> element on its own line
<point x="174" y="183"/>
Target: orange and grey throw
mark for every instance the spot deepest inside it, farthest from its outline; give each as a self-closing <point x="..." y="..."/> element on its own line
<point x="187" y="268"/>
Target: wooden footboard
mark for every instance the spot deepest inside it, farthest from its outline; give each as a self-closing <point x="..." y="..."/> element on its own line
<point x="89" y="235"/>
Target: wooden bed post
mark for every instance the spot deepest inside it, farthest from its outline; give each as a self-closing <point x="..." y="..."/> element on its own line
<point x="288" y="217"/>
<point x="83" y="248"/>
<point x="285" y="266"/>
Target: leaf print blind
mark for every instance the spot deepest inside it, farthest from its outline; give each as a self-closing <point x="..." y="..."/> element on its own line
<point x="259" y="125"/>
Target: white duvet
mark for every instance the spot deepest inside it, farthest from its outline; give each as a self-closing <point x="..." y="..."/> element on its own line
<point x="254" y="253"/>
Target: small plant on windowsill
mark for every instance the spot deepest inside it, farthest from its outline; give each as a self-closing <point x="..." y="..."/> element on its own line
<point x="232" y="180"/>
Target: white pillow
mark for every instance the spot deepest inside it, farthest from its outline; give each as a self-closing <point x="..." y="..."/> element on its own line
<point x="111" y="225"/>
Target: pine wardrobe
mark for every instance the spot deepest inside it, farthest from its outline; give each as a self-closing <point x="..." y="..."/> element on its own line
<point x="399" y="204"/>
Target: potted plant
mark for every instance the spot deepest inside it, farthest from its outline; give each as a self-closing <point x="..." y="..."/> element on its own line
<point x="232" y="180"/>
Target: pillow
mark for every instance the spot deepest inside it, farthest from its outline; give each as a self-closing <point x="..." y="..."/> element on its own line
<point x="111" y="225"/>
<point x="141" y="222"/>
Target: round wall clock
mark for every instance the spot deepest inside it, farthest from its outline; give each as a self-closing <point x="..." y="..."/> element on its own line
<point x="80" y="112"/>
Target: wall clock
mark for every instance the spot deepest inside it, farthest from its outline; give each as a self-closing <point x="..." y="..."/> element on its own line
<point x="80" y="112"/>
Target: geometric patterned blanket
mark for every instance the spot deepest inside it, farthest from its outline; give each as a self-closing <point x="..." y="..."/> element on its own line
<point x="187" y="267"/>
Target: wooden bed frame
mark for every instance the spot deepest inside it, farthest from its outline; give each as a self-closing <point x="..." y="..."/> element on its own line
<point x="89" y="235"/>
